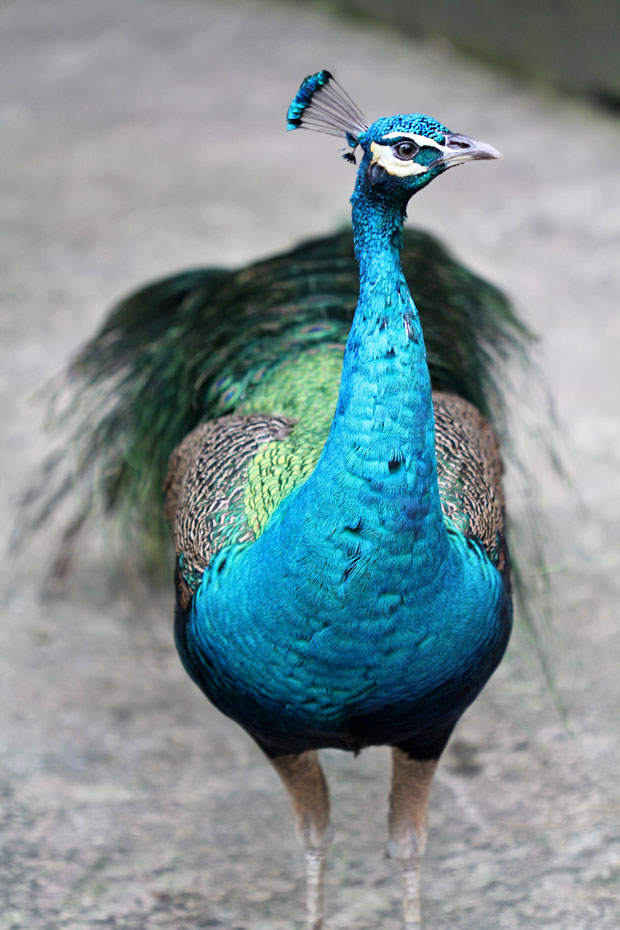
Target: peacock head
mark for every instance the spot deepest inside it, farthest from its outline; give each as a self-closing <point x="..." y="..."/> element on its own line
<point x="401" y="154"/>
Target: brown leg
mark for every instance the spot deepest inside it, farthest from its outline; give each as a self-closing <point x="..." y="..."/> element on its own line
<point x="411" y="787"/>
<point x="306" y="785"/>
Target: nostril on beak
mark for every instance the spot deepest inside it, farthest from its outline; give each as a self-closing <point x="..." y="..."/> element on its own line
<point x="460" y="142"/>
<point x="460" y="148"/>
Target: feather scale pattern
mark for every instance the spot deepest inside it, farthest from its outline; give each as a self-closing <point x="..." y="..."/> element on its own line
<point x="206" y="486"/>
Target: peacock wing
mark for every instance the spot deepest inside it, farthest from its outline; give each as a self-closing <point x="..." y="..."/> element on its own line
<point x="469" y="472"/>
<point x="206" y="488"/>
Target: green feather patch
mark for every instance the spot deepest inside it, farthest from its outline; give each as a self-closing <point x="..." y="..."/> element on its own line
<point x="306" y="390"/>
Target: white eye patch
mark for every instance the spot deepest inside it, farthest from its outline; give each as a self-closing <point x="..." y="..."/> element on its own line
<point x="382" y="154"/>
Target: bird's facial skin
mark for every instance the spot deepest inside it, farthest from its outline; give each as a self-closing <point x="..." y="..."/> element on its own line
<point x="406" y="154"/>
<point x="409" y="151"/>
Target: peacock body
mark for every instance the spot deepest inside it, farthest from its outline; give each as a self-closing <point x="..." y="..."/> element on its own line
<point x="344" y="594"/>
<point x="335" y="494"/>
<point x="342" y="573"/>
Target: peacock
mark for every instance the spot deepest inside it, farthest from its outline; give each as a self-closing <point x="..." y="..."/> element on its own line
<point x="332" y="478"/>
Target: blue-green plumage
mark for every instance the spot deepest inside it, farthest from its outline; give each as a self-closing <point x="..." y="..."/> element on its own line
<point x="340" y="657"/>
<point x="361" y="614"/>
<point x="305" y="94"/>
<point x="334" y="493"/>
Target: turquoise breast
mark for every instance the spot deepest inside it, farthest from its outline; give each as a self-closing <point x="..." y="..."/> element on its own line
<point x="318" y="656"/>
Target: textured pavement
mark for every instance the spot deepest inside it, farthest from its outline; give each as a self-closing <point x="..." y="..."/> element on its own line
<point x="143" y="137"/>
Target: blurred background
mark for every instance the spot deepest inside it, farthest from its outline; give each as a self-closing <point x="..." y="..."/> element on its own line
<point x="143" y="136"/>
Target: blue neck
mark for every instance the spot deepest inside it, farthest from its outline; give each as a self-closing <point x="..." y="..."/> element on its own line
<point x="379" y="459"/>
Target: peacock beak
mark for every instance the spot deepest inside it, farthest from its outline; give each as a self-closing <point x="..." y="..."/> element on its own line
<point x="458" y="149"/>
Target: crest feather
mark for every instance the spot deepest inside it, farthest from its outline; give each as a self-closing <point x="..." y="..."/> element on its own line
<point x="323" y="105"/>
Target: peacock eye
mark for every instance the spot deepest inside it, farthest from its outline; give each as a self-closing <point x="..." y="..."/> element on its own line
<point x="405" y="150"/>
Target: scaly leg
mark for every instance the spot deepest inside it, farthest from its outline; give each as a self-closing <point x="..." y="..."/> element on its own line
<point x="306" y="785"/>
<point x="411" y="787"/>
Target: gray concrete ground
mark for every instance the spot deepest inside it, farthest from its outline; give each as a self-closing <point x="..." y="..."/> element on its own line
<point x="139" y="138"/>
